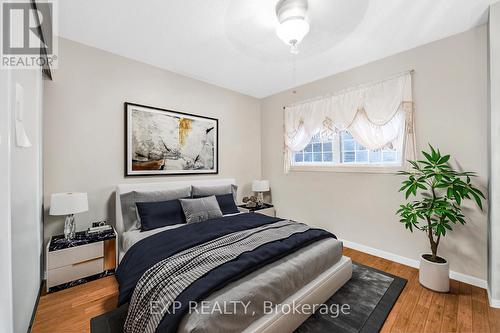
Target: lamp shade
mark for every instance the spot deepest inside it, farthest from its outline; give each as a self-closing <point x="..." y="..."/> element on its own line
<point x="292" y="31"/>
<point x="68" y="203"/>
<point x="260" y="185"/>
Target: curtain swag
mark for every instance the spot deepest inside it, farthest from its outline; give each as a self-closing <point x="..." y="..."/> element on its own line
<point x="376" y="115"/>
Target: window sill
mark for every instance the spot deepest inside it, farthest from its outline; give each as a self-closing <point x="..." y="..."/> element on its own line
<point x="359" y="168"/>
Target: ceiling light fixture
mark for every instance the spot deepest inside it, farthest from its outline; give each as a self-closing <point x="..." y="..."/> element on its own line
<point x="293" y="26"/>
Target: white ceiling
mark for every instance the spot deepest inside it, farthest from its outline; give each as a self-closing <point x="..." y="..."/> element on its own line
<point x="232" y="43"/>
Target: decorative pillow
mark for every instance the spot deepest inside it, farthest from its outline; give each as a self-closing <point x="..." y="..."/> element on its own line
<point x="227" y="204"/>
<point x="159" y="214"/>
<point x="207" y="190"/>
<point x="128" y="200"/>
<point x="201" y="209"/>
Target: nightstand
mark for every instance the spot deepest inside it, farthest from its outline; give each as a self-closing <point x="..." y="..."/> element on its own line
<point x="82" y="259"/>
<point x="266" y="209"/>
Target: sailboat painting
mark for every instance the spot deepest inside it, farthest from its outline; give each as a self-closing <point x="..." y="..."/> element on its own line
<point x="165" y="142"/>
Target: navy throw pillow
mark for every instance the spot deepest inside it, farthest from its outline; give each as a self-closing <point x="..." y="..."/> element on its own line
<point x="227" y="204"/>
<point x="160" y="214"/>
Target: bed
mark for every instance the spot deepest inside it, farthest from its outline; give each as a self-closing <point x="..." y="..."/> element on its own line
<point x="306" y="270"/>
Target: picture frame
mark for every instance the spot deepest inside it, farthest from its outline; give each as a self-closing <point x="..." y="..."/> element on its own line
<point x="162" y="142"/>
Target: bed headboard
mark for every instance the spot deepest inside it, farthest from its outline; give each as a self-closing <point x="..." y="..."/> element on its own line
<point x="126" y="188"/>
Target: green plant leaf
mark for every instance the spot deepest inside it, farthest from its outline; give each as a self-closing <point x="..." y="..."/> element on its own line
<point x="475" y="190"/>
<point x="424" y="162"/>
<point x="405" y="186"/>
<point x="428" y="157"/>
<point x="444" y="159"/>
<point x="434" y="154"/>
<point x="477" y="199"/>
<point x="457" y="196"/>
<point x="421" y="186"/>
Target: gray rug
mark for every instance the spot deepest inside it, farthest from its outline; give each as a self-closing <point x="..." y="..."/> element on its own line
<point x="369" y="295"/>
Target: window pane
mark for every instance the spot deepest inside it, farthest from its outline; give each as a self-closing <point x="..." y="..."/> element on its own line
<point x="348" y="144"/>
<point x="389" y="156"/>
<point x="375" y="156"/>
<point x="348" y="157"/>
<point x="362" y="156"/>
<point x="322" y="149"/>
<point x="346" y="135"/>
<point x="359" y="147"/>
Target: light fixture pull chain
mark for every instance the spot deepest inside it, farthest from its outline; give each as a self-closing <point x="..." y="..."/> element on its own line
<point x="294" y="72"/>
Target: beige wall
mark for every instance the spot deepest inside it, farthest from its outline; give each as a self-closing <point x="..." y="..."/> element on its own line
<point x="450" y="92"/>
<point x="84" y="126"/>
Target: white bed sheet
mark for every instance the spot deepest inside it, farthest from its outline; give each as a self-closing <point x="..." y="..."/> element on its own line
<point x="132" y="236"/>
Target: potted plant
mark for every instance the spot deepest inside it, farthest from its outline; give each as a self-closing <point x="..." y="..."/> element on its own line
<point x="439" y="191"/>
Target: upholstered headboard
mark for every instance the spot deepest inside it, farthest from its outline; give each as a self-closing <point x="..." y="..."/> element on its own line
<point x="171" y="185"/>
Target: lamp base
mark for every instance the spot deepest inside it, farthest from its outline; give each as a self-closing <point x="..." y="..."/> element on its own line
<point x="260" y="199"/>
<point x="69" y="227"/>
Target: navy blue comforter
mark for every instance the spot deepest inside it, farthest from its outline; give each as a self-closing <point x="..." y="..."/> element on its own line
<point x="147" y="252"/>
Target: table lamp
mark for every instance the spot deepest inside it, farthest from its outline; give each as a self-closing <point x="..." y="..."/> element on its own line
<point x="260" y="186"/>
<point x="68" y="204"/>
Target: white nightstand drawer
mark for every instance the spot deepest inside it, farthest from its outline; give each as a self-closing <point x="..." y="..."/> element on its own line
<point x="73" y="255"/>
<point x="74" y="272"/>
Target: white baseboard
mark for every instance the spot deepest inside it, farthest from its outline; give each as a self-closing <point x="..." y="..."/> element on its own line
<point x="380" y="253"/>
<point x="469" y="279"/>
<point x="414" y="263"/>
<point x="494" y="303"/>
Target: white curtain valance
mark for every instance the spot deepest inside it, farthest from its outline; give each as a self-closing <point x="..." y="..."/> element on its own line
<point x="376" y="115"/>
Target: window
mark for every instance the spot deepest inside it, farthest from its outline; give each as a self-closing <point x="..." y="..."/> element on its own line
<point x="343" y="150"/>
<point x="318" y="151"/>
<point x="354" y="153"/>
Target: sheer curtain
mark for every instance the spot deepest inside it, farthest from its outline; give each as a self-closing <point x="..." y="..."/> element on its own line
<point x="376" y="115"/>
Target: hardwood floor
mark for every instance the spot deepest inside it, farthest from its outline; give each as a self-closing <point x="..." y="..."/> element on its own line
<point x="70" y="310"/>
<point x="464" y="309"/>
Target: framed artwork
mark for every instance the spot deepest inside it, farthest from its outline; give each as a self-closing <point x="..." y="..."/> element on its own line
<point x="164" y="142"/>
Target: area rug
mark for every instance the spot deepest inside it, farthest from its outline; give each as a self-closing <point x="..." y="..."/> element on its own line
<point x="366" y="300"/>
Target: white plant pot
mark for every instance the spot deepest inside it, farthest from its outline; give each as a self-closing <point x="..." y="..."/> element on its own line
<point x="434" y="276"/>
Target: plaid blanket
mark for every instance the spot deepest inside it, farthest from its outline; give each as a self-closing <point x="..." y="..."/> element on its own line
<point x="161" y="284"/>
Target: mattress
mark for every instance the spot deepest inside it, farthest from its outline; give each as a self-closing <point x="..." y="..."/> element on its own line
<point x="245" y="298"/>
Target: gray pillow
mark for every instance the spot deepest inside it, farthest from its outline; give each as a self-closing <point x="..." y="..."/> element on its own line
<point x="207" y="190"/>
<point x="128" y="200"/>
<point x="201" y="209"/>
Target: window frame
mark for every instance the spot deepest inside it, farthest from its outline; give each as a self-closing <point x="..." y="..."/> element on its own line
<point x="336" y="166"/>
